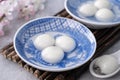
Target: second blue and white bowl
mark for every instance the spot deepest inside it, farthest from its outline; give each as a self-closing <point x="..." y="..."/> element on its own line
<point x="71" y="7"/>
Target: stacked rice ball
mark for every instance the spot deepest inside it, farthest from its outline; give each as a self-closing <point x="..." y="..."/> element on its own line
<point x="52" y="51"/>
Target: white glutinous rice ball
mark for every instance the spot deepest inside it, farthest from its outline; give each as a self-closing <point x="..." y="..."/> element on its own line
<point x="103" y="4"/>
<point x="107" y="64"/>
<point x="104" y="15"/>
<point x="52" y="54"/>
<point x="87" y="9"/>
<point x="43" y="41"/>
<point x="66" y="43"/>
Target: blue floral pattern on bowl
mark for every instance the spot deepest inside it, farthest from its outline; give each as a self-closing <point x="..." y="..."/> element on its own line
<point x="55" y="26"/>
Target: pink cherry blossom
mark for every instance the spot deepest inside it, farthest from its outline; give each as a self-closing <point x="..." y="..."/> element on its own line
<point x="18" y="9"/>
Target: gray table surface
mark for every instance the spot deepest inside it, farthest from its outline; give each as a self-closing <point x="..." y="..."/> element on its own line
<point x="11" y="71"/>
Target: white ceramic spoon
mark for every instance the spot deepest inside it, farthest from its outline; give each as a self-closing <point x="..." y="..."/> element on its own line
<point x="97" y="72"/>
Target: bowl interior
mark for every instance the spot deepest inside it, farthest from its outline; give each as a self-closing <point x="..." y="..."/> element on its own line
<point x="72" y="8"/>
<point x="55" y="26"/>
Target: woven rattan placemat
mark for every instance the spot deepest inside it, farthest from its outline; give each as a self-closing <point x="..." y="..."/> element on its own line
<point x="105" y="38"/>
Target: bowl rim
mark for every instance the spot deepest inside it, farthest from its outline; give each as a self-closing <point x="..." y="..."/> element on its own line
<point x="88" y="21"/>
<point x="52" y="69"/>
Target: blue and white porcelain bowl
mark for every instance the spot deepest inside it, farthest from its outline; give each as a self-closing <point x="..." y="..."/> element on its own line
<point x="55" y="26"/>
<point x="71" y="7"/>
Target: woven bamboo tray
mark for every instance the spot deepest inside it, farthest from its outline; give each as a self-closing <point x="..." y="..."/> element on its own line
<point x="105" y="38"/>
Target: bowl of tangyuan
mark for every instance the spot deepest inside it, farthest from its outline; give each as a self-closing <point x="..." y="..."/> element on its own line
<point x="96" y="14"/>
<point x="54" y="43"/>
